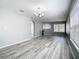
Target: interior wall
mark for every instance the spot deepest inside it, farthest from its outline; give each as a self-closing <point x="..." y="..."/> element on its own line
<point x="14" y="28"/>
<point x="74" y="24"/>
<point x="51" y="30"/>
<point x="48" y="31"/>
<point x="68" y="27"/>
<point x="38" y="28"/>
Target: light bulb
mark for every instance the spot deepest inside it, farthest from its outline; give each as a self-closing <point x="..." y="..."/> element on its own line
<point x="42" y="14"/>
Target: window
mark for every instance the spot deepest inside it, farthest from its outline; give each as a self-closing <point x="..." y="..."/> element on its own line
<point x="59" y="27"/>
<point x="46" y="26"/>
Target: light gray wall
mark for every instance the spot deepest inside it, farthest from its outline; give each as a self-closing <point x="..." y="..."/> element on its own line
<point x="51" y="31"/>
<point x="74" y="24"/>
<point x="48" y="31"/>
<point x="38" y="28"/>
<point x="14" y="28"/>
<point x="68" y="27"/>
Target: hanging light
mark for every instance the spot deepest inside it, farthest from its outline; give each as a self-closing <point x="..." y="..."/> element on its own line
<point x="38" y="12"/>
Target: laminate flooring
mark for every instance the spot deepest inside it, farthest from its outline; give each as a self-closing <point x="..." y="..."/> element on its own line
<point x="48" y="47"/>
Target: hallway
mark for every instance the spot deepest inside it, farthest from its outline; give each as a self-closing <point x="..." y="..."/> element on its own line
<point x="39" y="29"/>
<point x="49" y="47"/>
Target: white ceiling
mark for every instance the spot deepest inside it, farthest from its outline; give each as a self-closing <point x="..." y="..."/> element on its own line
<point x="55" y="10"/>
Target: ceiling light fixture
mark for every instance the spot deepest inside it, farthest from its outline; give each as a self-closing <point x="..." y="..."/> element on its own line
<point x="38" y="12"/>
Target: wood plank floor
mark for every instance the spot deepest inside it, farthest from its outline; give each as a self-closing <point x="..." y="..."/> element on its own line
<point x="54" y="47"/>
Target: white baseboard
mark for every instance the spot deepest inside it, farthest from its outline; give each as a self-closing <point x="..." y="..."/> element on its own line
<point x="75" y="45"/>
<point x="18" y="42"/>
<point x="14" y="43"/>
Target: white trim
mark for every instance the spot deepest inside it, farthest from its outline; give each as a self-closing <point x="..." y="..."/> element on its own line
<point x="18" y="42"/>
<point x="13" y="44"/>
<point x="75" y="45"/>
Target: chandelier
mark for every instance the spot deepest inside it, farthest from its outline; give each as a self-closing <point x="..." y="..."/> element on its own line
<point x="38" y="12"/>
